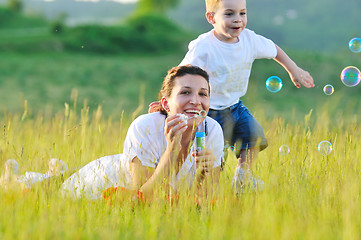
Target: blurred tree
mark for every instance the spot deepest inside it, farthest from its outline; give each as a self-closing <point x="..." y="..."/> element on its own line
<point x="15" y="5"/>
<point x="156" y="5"/>
<point x="57" y="25"/>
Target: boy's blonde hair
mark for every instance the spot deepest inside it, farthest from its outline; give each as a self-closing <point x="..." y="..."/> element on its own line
<point x="212" y="5"/>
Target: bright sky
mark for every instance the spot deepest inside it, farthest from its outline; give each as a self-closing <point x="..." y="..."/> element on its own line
<point x="121" y="1"/>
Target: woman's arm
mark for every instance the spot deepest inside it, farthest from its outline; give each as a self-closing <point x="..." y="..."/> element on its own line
<point x="146" y="179"/>
<point x="207" y="176"/>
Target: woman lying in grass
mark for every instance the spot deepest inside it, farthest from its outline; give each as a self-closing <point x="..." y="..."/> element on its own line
<point x="159" y="156"/>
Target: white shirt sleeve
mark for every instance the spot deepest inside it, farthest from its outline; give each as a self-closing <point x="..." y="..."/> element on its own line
<point x="196" y="57"/>
<point x="145" y="139"/>
<point x="262" y="47"/>
<point x="197" y="54"/>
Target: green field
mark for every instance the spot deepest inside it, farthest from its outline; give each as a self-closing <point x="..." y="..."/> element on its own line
<point x="306" y="195"/>
<point x="77" y="106"/>
<point x="123" y="82"/>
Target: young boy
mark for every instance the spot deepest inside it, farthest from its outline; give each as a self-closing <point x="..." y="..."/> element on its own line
<point x="227" y="53"/>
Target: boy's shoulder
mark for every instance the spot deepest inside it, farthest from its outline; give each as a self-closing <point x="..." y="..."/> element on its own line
<point x="208" y="38"/>
<point x="247" y="33"/>
<point x="202" y="39"/>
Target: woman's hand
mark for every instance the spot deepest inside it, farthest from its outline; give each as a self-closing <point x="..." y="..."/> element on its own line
<point x="174" y="127"/>
<point x="204" y="160"/>
<point x="206" y="175"/>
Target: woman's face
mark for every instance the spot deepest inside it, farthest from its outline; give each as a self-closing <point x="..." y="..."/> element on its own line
<point x="189" y="96"/>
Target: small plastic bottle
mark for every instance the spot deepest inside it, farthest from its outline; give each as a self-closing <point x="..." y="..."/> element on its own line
<point x="201" y="140"/>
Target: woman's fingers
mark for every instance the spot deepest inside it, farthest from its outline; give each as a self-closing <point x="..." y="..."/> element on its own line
<point x="175" y="126"/>
<point x="204" y="159"/>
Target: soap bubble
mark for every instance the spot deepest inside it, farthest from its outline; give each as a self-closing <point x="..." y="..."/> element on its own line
<point x="274" y="84"/>
<point x="350" y="76"/>
<point x="328" y="89"/>
<point x="325" y="147"/>
<point x="284" y="150"/>
<point x="355" y="45"/>
<point x="203" y="113"/>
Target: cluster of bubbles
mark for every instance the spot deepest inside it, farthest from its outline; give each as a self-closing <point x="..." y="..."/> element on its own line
<point x="324" y="148"/>
<point x="350" y="76"/>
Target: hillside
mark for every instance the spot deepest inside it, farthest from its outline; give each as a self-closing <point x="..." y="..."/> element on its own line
<point x="106" y="12"/>
<point x="323" y="25"/>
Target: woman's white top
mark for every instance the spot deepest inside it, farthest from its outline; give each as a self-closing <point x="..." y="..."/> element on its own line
<point x="146" y="141"/>
<point x="30" y="178"/>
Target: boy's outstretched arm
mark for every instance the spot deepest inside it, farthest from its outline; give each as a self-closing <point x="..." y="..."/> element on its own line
<point x="297" y="74"/>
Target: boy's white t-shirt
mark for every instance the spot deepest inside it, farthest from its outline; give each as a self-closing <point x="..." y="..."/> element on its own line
<point x="145" y="140"/>
<point x="228" y="64"/>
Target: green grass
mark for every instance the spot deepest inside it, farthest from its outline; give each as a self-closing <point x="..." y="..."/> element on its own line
<point x="78" y="106"/>
<point x="47" y="81"/>
<point x="306" y="195"/>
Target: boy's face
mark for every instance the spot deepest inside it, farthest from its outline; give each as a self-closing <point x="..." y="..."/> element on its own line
<point x="229" y="20"/>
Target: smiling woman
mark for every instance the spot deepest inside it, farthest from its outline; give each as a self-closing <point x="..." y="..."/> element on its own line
<point x="160" y="149"/>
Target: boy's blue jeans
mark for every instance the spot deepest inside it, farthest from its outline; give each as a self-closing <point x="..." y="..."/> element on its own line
<point x="240" y="128"/>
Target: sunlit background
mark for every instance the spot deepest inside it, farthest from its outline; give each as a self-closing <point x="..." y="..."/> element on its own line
<point x="74" y="74"/>
<point x="115" y="53"/>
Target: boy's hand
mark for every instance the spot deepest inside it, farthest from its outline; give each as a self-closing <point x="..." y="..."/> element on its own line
<point x="297" y="74"/>
<point x="300" y="76"/>
<point x="154" y="107"/>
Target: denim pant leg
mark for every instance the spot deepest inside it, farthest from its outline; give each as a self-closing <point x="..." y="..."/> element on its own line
<point x="225" y="119"/>
<point x="247" y="130"/>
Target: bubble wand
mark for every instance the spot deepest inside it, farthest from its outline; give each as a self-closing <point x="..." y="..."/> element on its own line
<point x="202" y="114"/>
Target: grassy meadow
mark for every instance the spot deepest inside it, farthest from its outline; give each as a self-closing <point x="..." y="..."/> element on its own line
<point x="306" y="195"/>
<point x="77" y="106"/>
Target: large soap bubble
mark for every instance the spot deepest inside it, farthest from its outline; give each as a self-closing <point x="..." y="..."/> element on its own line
<point x="355" y="45"/>
<point x="274" y="84"/>
<point x="284" y="150"/>
<point x="325" y="148"/>
<point x="350" y="76"/>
